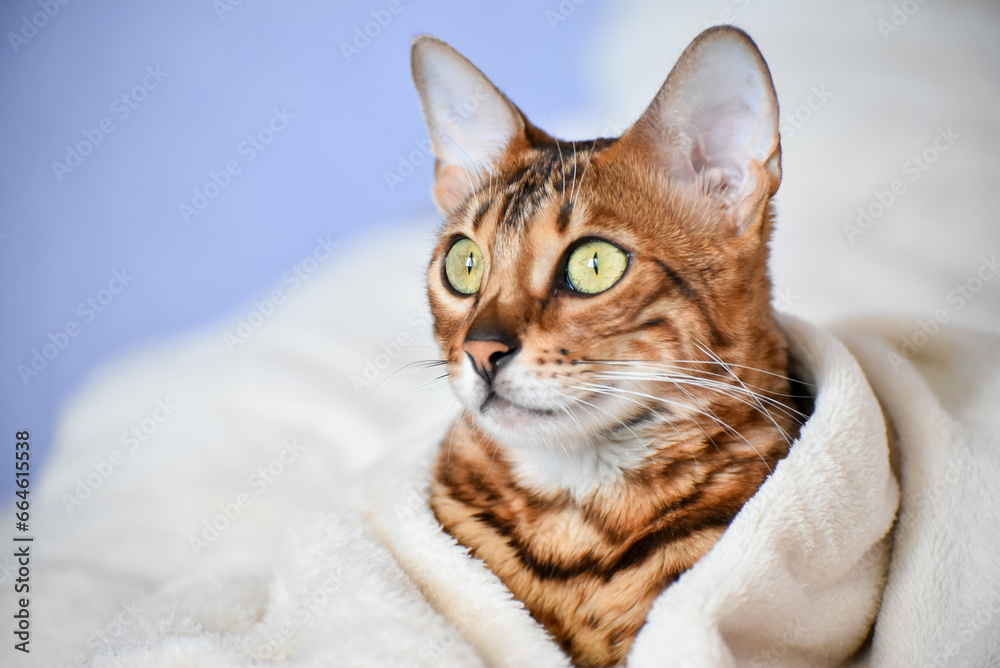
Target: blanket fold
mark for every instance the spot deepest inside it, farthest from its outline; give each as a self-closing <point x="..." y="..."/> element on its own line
<point x="941" y="604"/>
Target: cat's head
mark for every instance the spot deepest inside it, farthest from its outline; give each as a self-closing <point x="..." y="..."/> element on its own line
<point x="571" y="278"/>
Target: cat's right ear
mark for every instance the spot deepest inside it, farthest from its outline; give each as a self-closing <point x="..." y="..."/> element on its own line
<point x="471" y="123"/>
<point x="715" y="123"/>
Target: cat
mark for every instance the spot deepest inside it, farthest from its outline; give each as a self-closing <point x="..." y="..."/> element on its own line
<point x="603" y="310"/>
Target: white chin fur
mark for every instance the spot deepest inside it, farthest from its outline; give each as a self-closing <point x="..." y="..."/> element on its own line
<point x="581" y="471"/>
<point x="549" y="437"/>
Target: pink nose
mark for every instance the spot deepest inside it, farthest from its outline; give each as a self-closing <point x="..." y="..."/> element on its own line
<point x="485" y="354"/>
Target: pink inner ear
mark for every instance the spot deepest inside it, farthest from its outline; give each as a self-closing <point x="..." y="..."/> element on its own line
<point x="717" y="111"/>
<point x="724" y="132"/>
<point x="451" y="187"/>
<point x="727" y="117"/>
<point x="471" y="123"/>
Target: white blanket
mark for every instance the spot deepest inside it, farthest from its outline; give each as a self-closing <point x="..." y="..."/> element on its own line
<point x="324" y="552"/>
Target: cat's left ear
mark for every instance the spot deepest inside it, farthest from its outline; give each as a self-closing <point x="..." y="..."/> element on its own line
<point x="715" y="123"/>
<point x="471" y="123"/>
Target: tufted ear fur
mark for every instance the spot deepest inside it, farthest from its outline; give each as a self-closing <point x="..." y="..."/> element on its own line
<point x="471" y="123"/>
<point x="714" y="123"/>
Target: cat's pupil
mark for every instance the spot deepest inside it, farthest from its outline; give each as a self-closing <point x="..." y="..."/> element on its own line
<point x="469" y="263"/>
<point x="592" y="264"/>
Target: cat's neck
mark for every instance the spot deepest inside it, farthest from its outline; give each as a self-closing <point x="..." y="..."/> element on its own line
<point x="604" y="469"/>
<point x="579" y="468"/>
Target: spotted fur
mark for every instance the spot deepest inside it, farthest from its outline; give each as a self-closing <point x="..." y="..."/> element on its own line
<point x="624" y="430"/>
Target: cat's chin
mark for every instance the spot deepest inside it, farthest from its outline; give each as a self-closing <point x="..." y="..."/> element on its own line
<point x="505" y="409"/>
<point x="520" y="427"/>
<point x="500" y="414"/>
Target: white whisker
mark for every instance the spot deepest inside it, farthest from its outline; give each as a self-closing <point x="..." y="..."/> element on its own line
<point x="709" y="414"/>
<point x="753" y="395"/>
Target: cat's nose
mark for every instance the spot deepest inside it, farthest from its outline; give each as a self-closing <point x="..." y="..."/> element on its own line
<point x="487" y="356"/>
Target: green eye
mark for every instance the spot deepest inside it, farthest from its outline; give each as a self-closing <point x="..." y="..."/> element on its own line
<point x="595" y="266"/>
<point x="464" y="266"/>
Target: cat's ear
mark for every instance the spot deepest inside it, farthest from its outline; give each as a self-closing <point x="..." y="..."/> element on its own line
<point x="471" y="123"/>
<point x="715" y="123"/>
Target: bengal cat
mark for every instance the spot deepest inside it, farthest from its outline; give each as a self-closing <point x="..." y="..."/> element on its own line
<point x="603" y="308"/>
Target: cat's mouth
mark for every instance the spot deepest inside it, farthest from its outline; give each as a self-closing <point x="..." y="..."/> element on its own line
<point x="502" y="406"/>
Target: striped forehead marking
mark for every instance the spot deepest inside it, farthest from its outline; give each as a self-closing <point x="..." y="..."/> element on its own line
<point x="555" y="169"/>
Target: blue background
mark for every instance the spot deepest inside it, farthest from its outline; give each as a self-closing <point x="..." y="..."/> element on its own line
<point x="225" y="73"/>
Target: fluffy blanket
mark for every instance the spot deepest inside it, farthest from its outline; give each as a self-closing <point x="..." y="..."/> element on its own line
<point x="261" y="508"/>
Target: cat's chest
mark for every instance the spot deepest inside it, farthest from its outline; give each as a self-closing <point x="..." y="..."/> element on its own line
<point x="588" y="576"/>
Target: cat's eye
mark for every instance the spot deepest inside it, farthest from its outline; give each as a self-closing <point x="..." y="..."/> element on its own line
<point x="463" y="266"/>
<point x="594" y="266"/>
